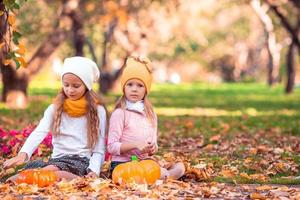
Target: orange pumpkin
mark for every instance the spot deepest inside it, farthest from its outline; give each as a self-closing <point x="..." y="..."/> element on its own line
<point x="152" y="170"/>
<point x="146" y="171"/>
<point x="37" y="176"/>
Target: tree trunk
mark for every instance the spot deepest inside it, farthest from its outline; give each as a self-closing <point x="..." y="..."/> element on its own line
<point x="91" y="49"/>
<point x="271" y="44"/>
<point x="288" y="27"/>
<point x="294" y="34"/>
<point x="290" y="65"/>
<point x="15" y="82"/>
<point x="107" y="79"/>
<point x="78" y="32"/>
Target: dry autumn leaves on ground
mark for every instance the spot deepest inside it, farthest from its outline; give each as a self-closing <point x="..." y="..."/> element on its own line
<point x="232" y="153"/>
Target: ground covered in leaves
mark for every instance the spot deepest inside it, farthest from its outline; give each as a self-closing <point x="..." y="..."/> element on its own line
<point x="104" y="189"/>
<point x="222" y="167"/>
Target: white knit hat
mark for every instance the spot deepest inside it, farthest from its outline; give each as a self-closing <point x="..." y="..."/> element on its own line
<point x="84" y="68"/>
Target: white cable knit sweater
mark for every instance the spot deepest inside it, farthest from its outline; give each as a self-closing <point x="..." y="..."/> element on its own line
<point x="72" y="140"/>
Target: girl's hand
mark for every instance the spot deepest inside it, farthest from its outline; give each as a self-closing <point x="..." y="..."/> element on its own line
<point x="142" y="146"/>
<point x="18" y="160"/>
<point x="151" y="149"/>
<point x="147" y="147"/>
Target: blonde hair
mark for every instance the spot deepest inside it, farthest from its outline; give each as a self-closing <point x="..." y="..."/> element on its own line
<point x="121" y="103"/>
<point x="92" y="115"/>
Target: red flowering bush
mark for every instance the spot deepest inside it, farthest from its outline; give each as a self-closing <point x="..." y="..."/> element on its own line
<point x="13" y="140"/>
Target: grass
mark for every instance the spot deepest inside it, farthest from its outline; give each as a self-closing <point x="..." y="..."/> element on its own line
<point x="228" y="96"/>
<point x="210" y="106"/>
<point x="211" y="109"/>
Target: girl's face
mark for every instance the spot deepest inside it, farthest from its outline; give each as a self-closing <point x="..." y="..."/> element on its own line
<point x="73" y="87"/>
<point x="134" y="90"/>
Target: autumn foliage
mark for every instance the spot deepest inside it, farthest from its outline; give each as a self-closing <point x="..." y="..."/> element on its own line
<point x="10" y="39"/>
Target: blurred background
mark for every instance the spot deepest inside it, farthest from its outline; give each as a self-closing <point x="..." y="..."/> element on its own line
<point x="221" y="57"/>
<point x="188" y="41"/>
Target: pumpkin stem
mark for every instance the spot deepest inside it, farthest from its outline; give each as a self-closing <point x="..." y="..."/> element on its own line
<point x="134" y="158"/>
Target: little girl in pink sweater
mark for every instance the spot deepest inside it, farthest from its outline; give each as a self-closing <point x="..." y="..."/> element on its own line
<point x="133" y="123"/>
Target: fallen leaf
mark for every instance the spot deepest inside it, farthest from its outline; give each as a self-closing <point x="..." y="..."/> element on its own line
<point x="245" y="175"/>
<point x="209" y="147"/>
<point x="189" y="124"/>
<point x="264" y="187"/>
<point x="99" y="184"/>
<point x="215" y="138"/>
<point x="257" y="196"/>
<point x="253" y="151"/>
<point x="259" y="177"/>
<point x="227" y="173"/>
<point x="170" y="157"/>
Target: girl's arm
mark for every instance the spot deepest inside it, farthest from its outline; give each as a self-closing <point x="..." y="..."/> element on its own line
<point x="153" y="148"/>
<point x="34" y="139"/>
<point x="155" y="136"/>
<point x="127" y="146"/>
<point x="40" y="132"/>
<point x="116" y="126"/>
<point x="97" y="158"/>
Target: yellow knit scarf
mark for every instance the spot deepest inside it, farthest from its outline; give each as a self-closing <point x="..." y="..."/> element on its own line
<point x="75" y="108"/>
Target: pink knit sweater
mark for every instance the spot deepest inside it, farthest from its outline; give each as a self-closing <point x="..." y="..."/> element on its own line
<point x="129" y="126"/>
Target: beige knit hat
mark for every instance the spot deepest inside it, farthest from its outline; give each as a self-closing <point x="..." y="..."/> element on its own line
<point x="139" y="68"/>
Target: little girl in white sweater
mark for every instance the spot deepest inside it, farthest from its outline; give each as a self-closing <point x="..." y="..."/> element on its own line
<point x="78" y="122"/>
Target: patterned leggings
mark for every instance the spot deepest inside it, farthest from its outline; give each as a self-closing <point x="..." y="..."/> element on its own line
<point x="71" y="163"/>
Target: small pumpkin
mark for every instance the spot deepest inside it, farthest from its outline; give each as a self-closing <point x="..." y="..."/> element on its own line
<point x="39" y="177"/>
<point x="152" y="170"/>
<point x="146" y="171"/>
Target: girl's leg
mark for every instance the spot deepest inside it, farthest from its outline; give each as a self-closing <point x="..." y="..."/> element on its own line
<point x="164" y="174"/>
<point x="51" y="167"/>
<point x="177" y="170"/>
<point x="65" y="175"/>
<point x="30" y="165"/>
<point x="61" y="174"/>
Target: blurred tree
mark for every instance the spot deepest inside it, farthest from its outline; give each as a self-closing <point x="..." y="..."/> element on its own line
<point x="11" y="47"/>
<point x="116" y="13"/>
<point x="15" y="82"/>
<point x="79" y="36"/>
<point x="12" y="52"/>
<point x="289" y="14"/>
<point x="120" y="30"/>
<point x="272" y="46"/>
